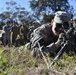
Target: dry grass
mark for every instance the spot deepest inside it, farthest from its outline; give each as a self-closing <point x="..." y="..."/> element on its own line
<point x="18" y="61"/>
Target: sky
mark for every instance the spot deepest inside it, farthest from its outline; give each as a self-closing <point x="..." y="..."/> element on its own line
<point x="25" y="3"/>
<point x="73" y="3"/>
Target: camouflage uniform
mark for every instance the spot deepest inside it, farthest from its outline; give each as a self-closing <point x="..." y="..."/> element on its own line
<point x="6" y="35"/>
<point x="23" y="33"/>
<point x="14" y="31"/>
<point x="45" y="37"/>
<point x="48" y="38"/>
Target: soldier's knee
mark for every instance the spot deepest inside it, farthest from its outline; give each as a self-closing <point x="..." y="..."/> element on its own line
<point x="36" y="53"/>
<point x="33" y="53"/>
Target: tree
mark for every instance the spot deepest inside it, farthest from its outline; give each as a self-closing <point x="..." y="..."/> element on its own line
<point x="15" y="12"/>
<point x="41" y="7"/>
<point x="47" y="18"/>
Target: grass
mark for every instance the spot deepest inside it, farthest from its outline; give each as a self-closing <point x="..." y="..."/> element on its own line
<point x="18" y="61"/>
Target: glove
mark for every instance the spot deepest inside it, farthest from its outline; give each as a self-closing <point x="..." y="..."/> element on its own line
<point x="60" y="39"/>
<point x="61" y="36"/>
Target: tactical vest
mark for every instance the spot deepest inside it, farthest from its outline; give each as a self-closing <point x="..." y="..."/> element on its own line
<point x="43" y="33"/>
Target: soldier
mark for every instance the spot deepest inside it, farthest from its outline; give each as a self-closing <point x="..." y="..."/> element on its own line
<point x="23" y="33"/>
<point x="6" y="35"/>
<point x="48" y="37"/>
<point x="14" y="32"/>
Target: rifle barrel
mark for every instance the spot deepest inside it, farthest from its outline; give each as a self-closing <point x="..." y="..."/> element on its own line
<point x="59" y="53"/>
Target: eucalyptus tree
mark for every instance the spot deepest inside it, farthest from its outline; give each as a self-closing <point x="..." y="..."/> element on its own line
<point x="41" y="7"/>
<point x="17" y="12"/>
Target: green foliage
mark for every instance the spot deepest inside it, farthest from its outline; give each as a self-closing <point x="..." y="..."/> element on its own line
<point x="41" y="7"/>
<point x="46" y="73"/>
<point x="41" y="10"/>
<point x="18" y="61"/>
<point x="47" y="18"/>
<point x="2" y="63"/>
<point x="14" y="12"/>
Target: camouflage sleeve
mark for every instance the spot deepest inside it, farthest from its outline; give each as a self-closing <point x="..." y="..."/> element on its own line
<point x="38" y="37"/>
<point x="45" y="49"/>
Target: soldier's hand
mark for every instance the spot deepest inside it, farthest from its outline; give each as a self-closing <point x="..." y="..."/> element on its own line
<point x="61" y="36"/>
<point x="60" y="39"/>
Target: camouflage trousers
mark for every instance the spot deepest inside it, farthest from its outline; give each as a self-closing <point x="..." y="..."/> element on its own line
<point x="6" y="39"/>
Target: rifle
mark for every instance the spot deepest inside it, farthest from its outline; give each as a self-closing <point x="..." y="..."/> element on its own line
<point x="69" y="40"/>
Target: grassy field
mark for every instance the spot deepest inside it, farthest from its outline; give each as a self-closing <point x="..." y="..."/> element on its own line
<point x="18" y="61"/>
